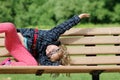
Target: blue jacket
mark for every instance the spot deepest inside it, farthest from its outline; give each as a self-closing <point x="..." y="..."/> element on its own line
<point x="47" y="37"/>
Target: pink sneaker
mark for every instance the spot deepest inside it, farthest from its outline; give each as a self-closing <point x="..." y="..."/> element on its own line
<point x="6" y="62"/>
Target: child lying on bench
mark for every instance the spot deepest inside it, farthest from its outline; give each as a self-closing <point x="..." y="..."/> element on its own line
<point x="40" y="47"/>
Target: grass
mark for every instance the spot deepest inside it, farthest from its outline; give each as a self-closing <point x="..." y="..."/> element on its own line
<point x="89" y="25"/>
<point x="97" y="25"/>
<point x="81" y="76"/>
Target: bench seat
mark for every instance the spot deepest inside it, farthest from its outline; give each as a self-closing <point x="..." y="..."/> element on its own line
<point x="56" y="69"/>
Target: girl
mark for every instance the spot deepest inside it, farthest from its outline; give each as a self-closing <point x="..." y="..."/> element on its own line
<point x="43" y="45"/>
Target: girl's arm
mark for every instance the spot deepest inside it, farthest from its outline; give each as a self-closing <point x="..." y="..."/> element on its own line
<point x="60" y="29"/>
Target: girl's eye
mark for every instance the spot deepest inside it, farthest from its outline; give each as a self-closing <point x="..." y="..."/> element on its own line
<point x="53" y="52"/>
<point x="57" y="50"/>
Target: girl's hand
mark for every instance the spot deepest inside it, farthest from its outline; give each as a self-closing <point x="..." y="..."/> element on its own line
<point x="84" y="15"/>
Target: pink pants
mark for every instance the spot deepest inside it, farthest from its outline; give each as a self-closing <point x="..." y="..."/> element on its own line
<point x="15" y="47"/>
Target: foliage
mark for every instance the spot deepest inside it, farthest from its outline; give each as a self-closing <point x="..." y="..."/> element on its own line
<point x="80" y="76"/>
<point x="25" y="13"/>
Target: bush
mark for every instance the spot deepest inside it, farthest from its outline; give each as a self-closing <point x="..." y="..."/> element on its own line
<point x="25" y="13"/>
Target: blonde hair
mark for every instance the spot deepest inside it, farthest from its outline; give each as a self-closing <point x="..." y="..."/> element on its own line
<point x="64" y="55"/>
<point x="64" y="58"/>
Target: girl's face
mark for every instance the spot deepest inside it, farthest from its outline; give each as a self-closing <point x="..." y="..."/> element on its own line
<point x="52" y="51"/>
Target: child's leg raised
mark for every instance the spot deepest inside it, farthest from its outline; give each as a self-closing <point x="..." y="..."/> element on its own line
<point x="15" y="47"/>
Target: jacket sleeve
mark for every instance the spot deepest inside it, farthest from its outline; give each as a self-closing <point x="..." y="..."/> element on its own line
<point x="55" y="32"/>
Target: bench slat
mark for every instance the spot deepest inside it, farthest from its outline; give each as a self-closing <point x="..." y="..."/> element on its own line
<point x="93" y="31"/>
<point x="95" y="60"/>
<point x="2" y="43"/>
<point x="74" y="50"/>
<point x="91" y="40"/>
<point x="3" y="51"/>
<point x="89" y="31"/>
<point x="86" y="40"/>
<point x="2" y="35"/>
<point x="55" y="69"/>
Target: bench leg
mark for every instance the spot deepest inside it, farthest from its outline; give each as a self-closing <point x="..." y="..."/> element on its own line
<point x="96" y="75"/>
<point x="39" y="72"/>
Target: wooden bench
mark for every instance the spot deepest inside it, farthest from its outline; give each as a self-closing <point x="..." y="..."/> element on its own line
<point x="91" y="50"/>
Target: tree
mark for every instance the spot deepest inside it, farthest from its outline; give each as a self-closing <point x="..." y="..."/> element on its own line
<point x="6" y="11"/>
<point x="25" y="13"/>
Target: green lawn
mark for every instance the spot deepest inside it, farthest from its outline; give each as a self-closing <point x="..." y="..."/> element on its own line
<point x="79" y="25"/>
<point x="81" y="76"/>
<point x="97" y="25"/>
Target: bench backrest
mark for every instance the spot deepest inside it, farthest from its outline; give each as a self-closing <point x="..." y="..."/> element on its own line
<point x="93" y="46"/>
<point x="87" y="46"/>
